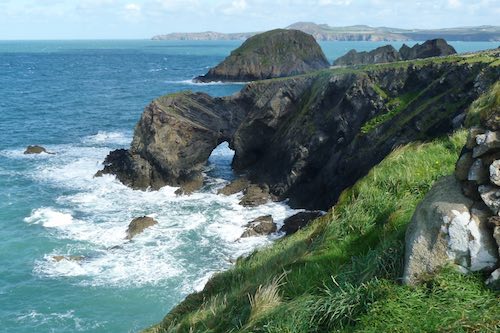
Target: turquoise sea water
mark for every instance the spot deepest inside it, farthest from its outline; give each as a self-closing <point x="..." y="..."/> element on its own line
<point x="81" y="99"/>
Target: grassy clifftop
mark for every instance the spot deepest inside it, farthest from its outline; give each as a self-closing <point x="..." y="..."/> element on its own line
<point x="342" y="273"/>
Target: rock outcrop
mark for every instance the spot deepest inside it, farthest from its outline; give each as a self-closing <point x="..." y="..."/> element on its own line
<point x="298" y="221"/>
<point x="384" y="54"/>
<point x="380" y="55"/>
<point x="431" y="48"/>
<point x="138" y="225"/>
<point x="458" y="221"/>
<point x="173" y="140"/>
<point x="261" y="226"/>
<point x="36" y="150"/>
<point x="276" y="53"/>
<point x="309" y="137"/>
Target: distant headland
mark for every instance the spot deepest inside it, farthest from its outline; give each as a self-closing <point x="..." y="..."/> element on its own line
<point x="324" y="32"/>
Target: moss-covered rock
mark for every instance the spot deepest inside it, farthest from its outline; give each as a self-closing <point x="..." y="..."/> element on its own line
<point x="276" y="53"/>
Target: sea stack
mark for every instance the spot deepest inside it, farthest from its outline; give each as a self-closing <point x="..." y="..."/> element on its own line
<point x="272" y="54"/>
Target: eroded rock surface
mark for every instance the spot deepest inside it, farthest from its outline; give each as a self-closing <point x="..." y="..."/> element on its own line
<point x="447" y="229"/>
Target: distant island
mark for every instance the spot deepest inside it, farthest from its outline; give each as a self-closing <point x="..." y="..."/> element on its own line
<point x="324" y="32"/>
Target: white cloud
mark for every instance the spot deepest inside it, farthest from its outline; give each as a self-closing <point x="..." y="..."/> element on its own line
<point x="334" y="2"/>
<point x="133" y="7"/>
<point x="454" y="3"/>
<point x="236" y="6"/>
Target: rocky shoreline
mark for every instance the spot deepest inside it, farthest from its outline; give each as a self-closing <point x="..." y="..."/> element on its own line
<point x="307" y="137"/>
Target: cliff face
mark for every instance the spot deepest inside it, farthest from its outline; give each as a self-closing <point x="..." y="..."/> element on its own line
<point x="275" y="53"/>
<point x="380" y="55"/>
<point x="355" y="33"/>
<point x="384" y="54"/>
<point x="307" y="137"/>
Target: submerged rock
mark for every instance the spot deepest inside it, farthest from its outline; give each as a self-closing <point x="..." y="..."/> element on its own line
<point x="69" y="258"/>
<point x="263" y="225"/>
<point x="138" y="225"/>
<point x="255" y="195"/>
<point x="298" y="221"/>
<point x="275" y="53"/>
<point x="234" y="187"/>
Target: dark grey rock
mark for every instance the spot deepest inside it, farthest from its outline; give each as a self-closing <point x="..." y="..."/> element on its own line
<point x="298" y="221"/>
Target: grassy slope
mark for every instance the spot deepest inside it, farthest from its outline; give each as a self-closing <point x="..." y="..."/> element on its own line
<point x="342" y="273"/>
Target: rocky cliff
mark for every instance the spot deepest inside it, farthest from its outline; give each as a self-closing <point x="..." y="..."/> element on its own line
<point x="276" y="53"/>
<point x="384" y="54"/>
<point x="458" y="222"/>
<point x="306" y="137"/>
<point x="381" y="54"/>
<point x="355" y="33"/>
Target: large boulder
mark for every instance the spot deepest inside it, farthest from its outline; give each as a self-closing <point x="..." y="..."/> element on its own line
<point x="263" y="225"/>
<point x="380" y="55"/>
<point x="430" y="48"/>
<point x="35" y="149"/>
<point x="447" y="229"/>
<point x="298" y="221"/>
<point x="138" y="225"/>
<point x="275" y="53"/>
<point x="255" y="195"/>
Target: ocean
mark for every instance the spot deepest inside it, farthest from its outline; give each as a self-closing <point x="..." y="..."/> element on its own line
<point x="81" y="99"/>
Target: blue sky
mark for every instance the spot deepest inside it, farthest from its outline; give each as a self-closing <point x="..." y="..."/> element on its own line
<point x="76" y="19"/>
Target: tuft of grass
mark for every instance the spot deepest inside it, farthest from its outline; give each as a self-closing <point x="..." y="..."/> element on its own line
<point x="266" y="297"/>
<point x="394" y="107"/>
<point x="485" y="109"/>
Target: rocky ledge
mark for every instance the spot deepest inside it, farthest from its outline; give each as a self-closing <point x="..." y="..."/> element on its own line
<point x="307" y="137"/>
<point x="276" y="53"/>
<point x="384" y="54"/>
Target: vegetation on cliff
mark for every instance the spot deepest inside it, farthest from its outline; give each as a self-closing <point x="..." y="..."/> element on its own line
<point x="343" y="272"/>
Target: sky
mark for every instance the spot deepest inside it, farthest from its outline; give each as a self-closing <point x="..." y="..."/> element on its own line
<point x="131" y="19"/>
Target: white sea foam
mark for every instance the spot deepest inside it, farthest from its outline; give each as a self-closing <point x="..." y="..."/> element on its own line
<point x="196" y="235"/>
<point x="191" y="82"/>
<point x="68" y="320"/>
<point x="49" y="218"/>
<point x="103" y="137"/>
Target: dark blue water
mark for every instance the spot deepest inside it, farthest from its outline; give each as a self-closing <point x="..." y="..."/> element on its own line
<point x="81" y="99"/>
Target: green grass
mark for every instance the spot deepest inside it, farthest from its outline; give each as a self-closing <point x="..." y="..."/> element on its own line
<point x="342" y="273"/>
<point x="486" y="108"/>
<point x="394" y="107"/>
